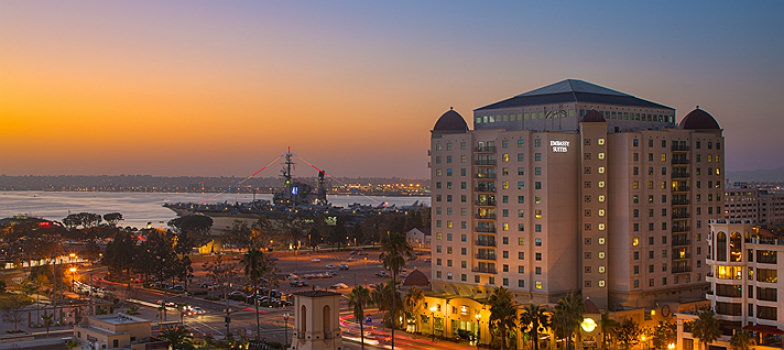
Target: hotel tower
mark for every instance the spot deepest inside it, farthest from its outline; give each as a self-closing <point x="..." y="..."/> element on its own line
<point x="578" y="188"/>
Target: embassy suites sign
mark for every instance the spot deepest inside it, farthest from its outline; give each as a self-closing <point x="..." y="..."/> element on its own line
<point x="559" y="146"/>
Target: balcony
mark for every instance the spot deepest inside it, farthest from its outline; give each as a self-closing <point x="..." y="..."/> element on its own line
<point x="680" y="202"/>
<point x="681" y="229"/>
<point x="485" y="203"/>
<point x="678" y="161"/>
<point x="680" y="215"/>
<point x="485" y="217"/>
<point x="485" y="243"/>
<point x="485" y="189"/>
<point x="485" y="149"/>
<point x="677" y="148"/>
<point x="681" y="269"/>
<point x="680" y="188"/>
<point x="681" y="242"/>
<point x="490" y="229"/>
<point x="485" y="162"/>
<point x="680" y="175"/>
<point x="484" y="269"/>
<point x="484" y="175"/>
<point x="685" y="256"/>
<point x="484" y="256"/>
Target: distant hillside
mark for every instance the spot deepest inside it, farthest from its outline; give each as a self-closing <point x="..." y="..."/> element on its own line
<point x="759" y="175"/>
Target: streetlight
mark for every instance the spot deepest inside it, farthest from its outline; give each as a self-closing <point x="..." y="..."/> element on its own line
<point x="73" y="277"/>
<point x="286" y="329"/>
<point x="433" y="316"/>
<point x="671" y="346"/>
<point x="644" y="343"/>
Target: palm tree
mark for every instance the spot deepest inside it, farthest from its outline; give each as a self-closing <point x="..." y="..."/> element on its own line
<point x="256" y="266"/>
<point x="607" y="326"/>
<point x="741" y="340"/>
<point x="358" y="299"/>
<point x="177" y="336"/>
<point x="502" y="312"/>
<point x="394" y="251"/>
<point x="414" y="302"/>
<point x="532" y="319"/>
<point x="568" y="315"/>
<point x="628" y="333"/>
<point x="706" y="327"/>
<point x="664" y="333"/>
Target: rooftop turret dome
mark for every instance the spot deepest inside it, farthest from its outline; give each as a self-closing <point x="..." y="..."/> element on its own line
<point x="593" y="116"/>
<point x="451" y="121"/>
<point x="699" y="119"/>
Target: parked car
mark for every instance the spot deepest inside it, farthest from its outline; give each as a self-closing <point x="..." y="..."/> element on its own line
<point x="343" y="267"/>
<point x="198" y="311"/>
<point x="338" y="286"/>
<point x="330" y="266"/>
<point x="178" y="288"/>
<point x="382" y="274"/>
<point x="315" y="260"/>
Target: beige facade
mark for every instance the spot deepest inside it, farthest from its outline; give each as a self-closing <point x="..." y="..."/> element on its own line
<point x="116" y="331"/>
<point x="316" y="321"/>
<point x="745" y="202"/>
<point x="545" y="200"/>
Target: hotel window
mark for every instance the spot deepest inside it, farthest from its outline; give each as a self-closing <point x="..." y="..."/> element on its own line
<point x="505" y="157"/>
<point x="538" y="284"/>
<point x="650" y="157"/>
<point x="601" y="255"/>
<point x="601" y="212"/>
<point x="505" y="213"/>
<point x="521" y="227"/>
<point x="449" y="250"/>
<point x="601" y="240"/>
<point x="538" y="242"/>
<point x="600" y="141"/>
<point x="539" y="257"/>
<point x="636" y="157"/>
<point x="537" y="171"/>
<point x="587" y="156"/>
<point x="449" y="235"/>
<point x="650" y="171"/>
<point x="463" y="159"/>
<point x="538" y="228"/>
<point x="438" y="172"/>
<point x="538" y="157"/>
<point x="476" y="279"/>
<point x="636" y="171"/>
<point x="520" y="213"/>
<point x="601" y="184"/>
<point x="521" y="241"/>
<point x="505" y="227"/>
<point x="636" y="213"/>
<point x="521" y="199"/>
<point x="636" y="255"/>
<point x="448" y="159"/>
<point x="538" y="199"/>
<point x="463" y="198"/>
<point x="650" y="142"/>
<point x="520" y="269"/>
<point x="462" y="145"/>
<point x="636" y="269"/>
<point x="537" y="142"/>
<point x="538" y="270"/>
<point x="438" y="185"/>
<point x="601" y="155"/>
<point x="520" y="143"/>
<point x="601" y="283"/>
<point x="636" y="227"/>
<point x="520" y="171"/>
<point x="601" y="170"/>
<point x="635" y="185"/>
<point x="438" y="159"/>
<point x="462" y="185"/>
<point x="538" y="185"/>
<point x="504" y="143"/>
<point x="449" y="198"/>
<point x="635" y="142"/>
<point x="538" y="213"/>
<point x="601" y="227"/>
<point x="521" y="255"/>
<point x="520" y="185"/>
<point x="462" y="172"/>
<point x="663" y="157"/>
<point x="521" y="283"/>
<point x="601" y="198"/>
<point x="463" y="238"/>
<point x="448" y="171"/>
<point x="520" y="157"/>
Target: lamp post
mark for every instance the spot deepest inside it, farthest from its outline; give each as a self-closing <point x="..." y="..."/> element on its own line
<point x="671" y="346"/>
<point x="73" y="278"/>
<point x="433" y="316"/>
<point x="285" y="329"/>
<point x="644" y="342"/>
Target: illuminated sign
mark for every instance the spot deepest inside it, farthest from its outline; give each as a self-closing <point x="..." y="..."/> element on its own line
<point x="294" y="190"/>
<point x="559" y="146"/>
<point x="588" y="324"/>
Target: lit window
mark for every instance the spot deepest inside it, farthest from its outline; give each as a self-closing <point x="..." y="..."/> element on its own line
<point x="601" y="283"/>
<point x="601" y="155"/>
<point x="601" y="212"/>
<point x="601" y="184"/>
<point x="664" y="157"/>
<point x="538" y="213"/>
<point x="601" y="240"/>
<point x="635" y="241"/>
<point x="601" y="255"/>
<point x="601" y="198"/>
<point x="600" y="141"/>
<point x="505" y="157"/>
<point x="601" y="227"/>
<point x="538" y="284"/>
<point x="601" y="170"/>
<point x="601" y="269"/>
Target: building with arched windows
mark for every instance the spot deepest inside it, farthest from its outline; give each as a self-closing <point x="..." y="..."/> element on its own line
<point x="744" y="287"/>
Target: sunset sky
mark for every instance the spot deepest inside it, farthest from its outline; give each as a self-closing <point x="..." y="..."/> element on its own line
<point x="214" y="88"/>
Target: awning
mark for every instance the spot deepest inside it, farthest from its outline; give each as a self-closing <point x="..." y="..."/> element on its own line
<point x="763" y="329"/>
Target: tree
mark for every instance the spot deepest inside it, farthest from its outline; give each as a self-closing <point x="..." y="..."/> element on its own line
<point x="664" y="333"/>
<point x="178" y="337"/>
<point x="414" y="302"/>
<point x="358" y="299"/>
<point x="394" y="251"/>
<point x="92" y="251"/>
<point x="741" y="340"/>
<point x="48" y="318"/>
<point x="11" y="305"/>
<point x="607" y="326"/>
<point x="121" y="253"/>
<point x="568" y="315"/>
<point x="530" y="321"/>
<point x="502" y="312"/>
<point x="628" y="333"/>
<point x="706" y="327"/>
<point x="112" y="218"/>
<point x="257" y="266"/>
<point x="197" y="224"/>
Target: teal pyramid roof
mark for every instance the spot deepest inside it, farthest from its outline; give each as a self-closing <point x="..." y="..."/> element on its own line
<point x="573" y="90"/>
